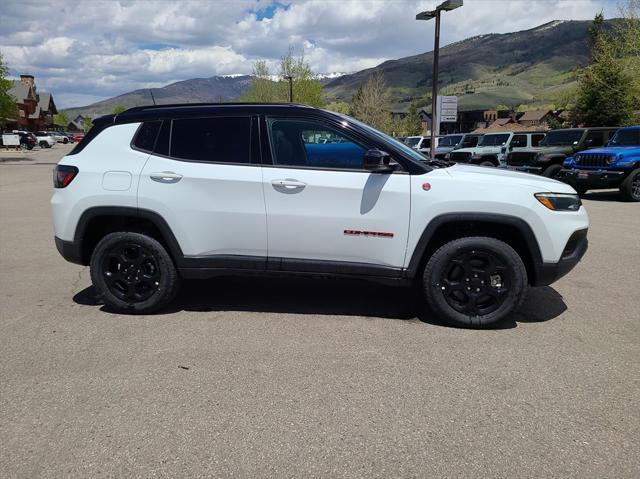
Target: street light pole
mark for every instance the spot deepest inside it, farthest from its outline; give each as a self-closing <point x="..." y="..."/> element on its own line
<point x="290" y="78"/>
<point x="435" y="121"/>
<point x="447" y="6"/>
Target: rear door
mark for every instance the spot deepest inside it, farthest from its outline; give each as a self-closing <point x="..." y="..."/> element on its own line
<point x="204" y="179"/>
<point x="324" y="211"/>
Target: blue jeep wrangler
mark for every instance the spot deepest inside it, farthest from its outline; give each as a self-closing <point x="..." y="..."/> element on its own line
<point x="615" y="166"/>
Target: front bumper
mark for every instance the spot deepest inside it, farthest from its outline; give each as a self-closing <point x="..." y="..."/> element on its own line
<point x="547" y="273"/>
<point x="536" y="170"/>
<point x="592" y="178"/>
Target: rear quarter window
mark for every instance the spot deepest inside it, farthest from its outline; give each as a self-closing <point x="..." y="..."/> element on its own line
<point x="146" y="136"/>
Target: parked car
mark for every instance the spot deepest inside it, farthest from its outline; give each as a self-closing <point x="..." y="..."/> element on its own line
<point x="455" y="141"/>
<point x="78" y="137"/>
<point x="420" y="143"/>
<point x="59" y="137"/>
<point x="548" y="157"/>
<point x="45" y="139"/>
<point x="28" y="140"/>
<point x="615" y="166"/>
<point x="160" y="193"/>
<point x="492" y="147"/>
<point x="69" y="136"/>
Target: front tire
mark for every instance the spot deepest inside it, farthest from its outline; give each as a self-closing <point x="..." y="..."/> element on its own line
<point x="552" y="171"/>
<point x="133" y="273"/>
<point x="630" y="187"/>
<point x="43" y="144"/>
<point x="475" y="281"/>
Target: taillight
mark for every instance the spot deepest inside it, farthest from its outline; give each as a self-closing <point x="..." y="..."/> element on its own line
<point x="63" y="175"/>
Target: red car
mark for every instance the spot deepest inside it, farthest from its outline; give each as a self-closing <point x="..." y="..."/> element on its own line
<point x="77" y="137"/>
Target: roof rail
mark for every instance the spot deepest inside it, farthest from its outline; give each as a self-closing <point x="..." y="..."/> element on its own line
<point x="192" y="105"/>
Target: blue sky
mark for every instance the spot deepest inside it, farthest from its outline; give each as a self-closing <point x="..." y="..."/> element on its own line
<point x="90" y="50"/>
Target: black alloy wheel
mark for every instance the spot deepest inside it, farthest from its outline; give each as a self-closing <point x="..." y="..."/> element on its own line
<point x="131" y="272"/>
<point x="630" y="187"/>
<point x="475" y="282"/>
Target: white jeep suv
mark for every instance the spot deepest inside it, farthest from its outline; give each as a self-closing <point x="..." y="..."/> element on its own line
<point x="157" y="194"/>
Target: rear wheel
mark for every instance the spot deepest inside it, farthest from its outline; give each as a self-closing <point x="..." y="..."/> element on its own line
<point x="552" y="171"/>
<point x="630" y="187"/>
<point x="133" y="273"/>
<point x="487" y="163"/>
<point x="43" y="144"/>
<point x="475" y="281"/>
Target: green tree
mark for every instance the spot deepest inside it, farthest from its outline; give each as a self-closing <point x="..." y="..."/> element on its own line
<point x="118" y="109"/>
<point x="262" y="89"/>
<point x="8" y="106"/>
<point x="61" y="119"/>
<point x="265" y="88"/>
<point x="87" y="123"/>
<point x="609" y="88"/>
<point x="339" y="107"/>
<point x="412" y="123"/>
<point x="372" y="101"/>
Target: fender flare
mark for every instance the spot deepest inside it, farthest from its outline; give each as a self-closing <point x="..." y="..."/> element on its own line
<point x="128" y="211"/>
<point x="423" y="243"/>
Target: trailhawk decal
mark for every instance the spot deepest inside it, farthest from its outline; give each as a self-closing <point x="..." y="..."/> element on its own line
<point x="375" y="234"/>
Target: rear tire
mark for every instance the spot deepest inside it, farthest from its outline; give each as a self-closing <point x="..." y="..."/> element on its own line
<point x="487" y="163"/>
<point x="630" y="187"/>
<point x="133" y="273"/>
<point x="475" y="281"/>
<point x="552" y="171"/>
<point x="43" y="144"/>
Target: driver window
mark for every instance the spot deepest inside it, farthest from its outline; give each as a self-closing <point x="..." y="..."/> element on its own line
<point x="308" y="143"/>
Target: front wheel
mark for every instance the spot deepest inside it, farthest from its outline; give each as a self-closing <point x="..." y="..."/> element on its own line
<point x="552" y="171"/>
<point x="630" y="187"/>
<point x="487" y="163"/>
<point x="475" y="281"/>
<point x="43" y="144"/>
<point x="133" y="273"/>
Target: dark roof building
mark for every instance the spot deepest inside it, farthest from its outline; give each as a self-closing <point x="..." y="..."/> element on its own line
<point x="35" y="110"/>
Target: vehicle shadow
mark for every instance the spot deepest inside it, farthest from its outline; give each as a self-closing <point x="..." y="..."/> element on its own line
<point x="342" y="297"/>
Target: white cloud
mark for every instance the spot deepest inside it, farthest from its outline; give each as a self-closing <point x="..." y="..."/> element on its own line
<point x="97" y="49"/>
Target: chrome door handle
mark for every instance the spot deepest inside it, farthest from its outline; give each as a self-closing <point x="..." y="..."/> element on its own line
<point x="289" y="184"/>
<point x="166" y="177"/>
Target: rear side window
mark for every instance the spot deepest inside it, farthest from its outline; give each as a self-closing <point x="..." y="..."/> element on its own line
<point x="595" y="138"/>
<point x="219" y="139"/>
<point x="146" y="135"/>
<point x="536" y="139"/>
<point x="519" y="141"/>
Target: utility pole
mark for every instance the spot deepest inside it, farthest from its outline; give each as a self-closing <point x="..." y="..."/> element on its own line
<point x="428" y="15"/>
<point x="290" y="78"/>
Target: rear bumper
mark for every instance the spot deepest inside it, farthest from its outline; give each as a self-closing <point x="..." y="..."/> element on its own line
<point x="592" y="178"/>
<point x="69" y="250"/>
<point x="547" y="273"/>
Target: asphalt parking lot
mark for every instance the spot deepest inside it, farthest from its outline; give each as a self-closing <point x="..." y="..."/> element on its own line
<point x="311" y="378"/>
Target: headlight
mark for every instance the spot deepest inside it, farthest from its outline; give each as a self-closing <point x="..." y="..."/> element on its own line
<point x="559" y="201"/>
<point x="568" y="161"/>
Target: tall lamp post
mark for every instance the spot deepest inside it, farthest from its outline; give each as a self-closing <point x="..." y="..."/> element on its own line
<point x="428" y="15"/>
<point x="290" y="78"/>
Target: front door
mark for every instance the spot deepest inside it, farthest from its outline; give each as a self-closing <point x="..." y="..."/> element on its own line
<point x="324" y="211"/>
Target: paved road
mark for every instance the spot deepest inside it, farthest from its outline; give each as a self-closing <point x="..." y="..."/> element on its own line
<point x="312" y="378"/>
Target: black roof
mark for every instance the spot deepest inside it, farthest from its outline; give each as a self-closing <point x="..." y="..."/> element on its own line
<point x="153" y="112"/>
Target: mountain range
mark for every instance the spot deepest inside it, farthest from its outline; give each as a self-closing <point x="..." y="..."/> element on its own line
<point x="533" y="67"/>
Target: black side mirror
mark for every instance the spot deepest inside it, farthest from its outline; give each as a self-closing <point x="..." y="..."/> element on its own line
<point x="377" y="161"/>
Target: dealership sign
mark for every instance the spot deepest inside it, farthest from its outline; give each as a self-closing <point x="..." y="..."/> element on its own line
<point x="447" y="109"/>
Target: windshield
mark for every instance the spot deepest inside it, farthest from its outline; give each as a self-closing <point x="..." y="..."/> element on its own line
<point x="410" y="152"/>
<point x="562" y="138"/>
<point x="493" y="140"/>
<point x="450" y="140"/>
<point x="630" y="137"/>
<point x="412" y="141"/>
